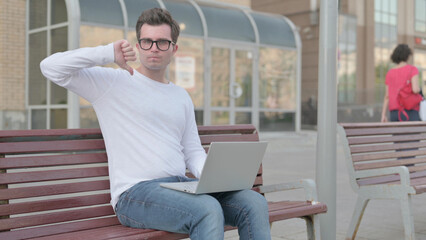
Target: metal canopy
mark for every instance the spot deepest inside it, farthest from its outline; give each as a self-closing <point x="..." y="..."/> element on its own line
<point x="197" y="18"/>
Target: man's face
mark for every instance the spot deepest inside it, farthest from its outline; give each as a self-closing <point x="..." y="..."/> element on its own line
<point x="154" y="58"/>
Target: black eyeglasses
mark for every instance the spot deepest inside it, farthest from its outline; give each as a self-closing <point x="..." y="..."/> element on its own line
<point x="162" y="45"/>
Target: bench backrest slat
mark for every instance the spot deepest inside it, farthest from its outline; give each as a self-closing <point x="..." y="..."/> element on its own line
<point x="379" y="145"/>
<point x="51" y="175"/>
<point x="53" y="189"/>
<point x="54" y="160"/>
<point x="385" y="139"/>
<point x="52" y="146"/>
<point x="54" y="204"/>
<point x="205" y="140"/>
<point x="58" y="176"/>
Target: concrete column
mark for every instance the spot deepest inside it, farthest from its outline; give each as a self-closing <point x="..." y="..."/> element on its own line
<point x="327" y="116"/>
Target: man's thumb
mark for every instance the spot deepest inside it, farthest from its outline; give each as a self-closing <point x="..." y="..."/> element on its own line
<point x="128" y="68"/>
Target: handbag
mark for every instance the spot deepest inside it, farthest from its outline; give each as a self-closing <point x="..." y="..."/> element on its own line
<point x="407" y="99"/>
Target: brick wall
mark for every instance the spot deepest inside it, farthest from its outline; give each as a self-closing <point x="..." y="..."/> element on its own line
<point x="12" y="55"/>
<point x="12" y="63"/>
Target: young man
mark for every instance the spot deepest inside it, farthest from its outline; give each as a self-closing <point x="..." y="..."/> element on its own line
<point x="150" y="134"/>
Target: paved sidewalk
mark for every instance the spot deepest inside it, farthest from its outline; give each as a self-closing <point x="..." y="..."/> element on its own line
<point x="291" y="156"/>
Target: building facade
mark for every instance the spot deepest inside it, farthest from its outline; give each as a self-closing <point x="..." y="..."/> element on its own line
<point x="369" y="30"/>
<point x="238" y="65"/>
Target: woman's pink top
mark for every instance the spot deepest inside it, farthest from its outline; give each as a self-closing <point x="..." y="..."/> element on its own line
<point x="396" y="78"/>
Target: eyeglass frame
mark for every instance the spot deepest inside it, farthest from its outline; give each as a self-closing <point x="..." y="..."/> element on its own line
<point x="156" y="43"/>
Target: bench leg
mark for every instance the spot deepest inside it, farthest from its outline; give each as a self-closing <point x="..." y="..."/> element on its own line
<point x="361" y="204"/>
<point x="312" y="227"/>
<point x="407" y="217"/>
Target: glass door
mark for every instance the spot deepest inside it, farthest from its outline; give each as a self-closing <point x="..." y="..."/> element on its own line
<point x="231" y="86"/>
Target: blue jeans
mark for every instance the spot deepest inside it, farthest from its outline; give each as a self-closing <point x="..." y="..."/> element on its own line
<point x="413" y="115"/>
<point x="148" y="205"/>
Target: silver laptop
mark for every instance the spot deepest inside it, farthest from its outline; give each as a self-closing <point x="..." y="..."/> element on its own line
<point x="229" y="166"/>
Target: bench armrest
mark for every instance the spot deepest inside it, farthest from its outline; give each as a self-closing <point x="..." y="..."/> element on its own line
<point x="402" y="171"/>
<point x="308" y="185"/>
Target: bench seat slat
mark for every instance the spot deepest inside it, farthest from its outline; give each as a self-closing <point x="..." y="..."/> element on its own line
<point x="420" y="188"/>
<point x="417" y="168"/>
<point x="54" y="160"/>
<point x="277" y="211"/>
<point x="56" y="217"/>
<point x="419" y="184"/>
<point x="116" y="232"/>
<point x="389" y="179"/>
<point x="392" y="163"/>
<point x="54" y="204"/>
<point x="51" y="146"/>
<point x="56" y="189"/>
<point x="287" y="213"/>
<point x="25" y="177"/>
<point x="60" y="228"/>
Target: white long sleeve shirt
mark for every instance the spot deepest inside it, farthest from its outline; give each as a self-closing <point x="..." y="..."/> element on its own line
<point x="149" y="127"/>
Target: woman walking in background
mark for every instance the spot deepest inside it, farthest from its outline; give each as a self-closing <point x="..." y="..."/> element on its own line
<point x="397" y="78"/>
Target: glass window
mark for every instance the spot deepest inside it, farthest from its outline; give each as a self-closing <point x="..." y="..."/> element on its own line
<point x="274" y="30"/>
<point x="228" y="24"/>
<point x="88" y="118"/>
<point x="420" y="63"/>
<point x="187" y="68"/>
<point x="220" y="118"/>
<point x="420" y="16"/>
<point x="187" y="17"/>
<point x="276" y="121"/>
<point x="59" y="43"/>
<point x="59" y="40"/>
<point x="243" y="77"/>
<point x="136" y="7"/>
<point x="385" y="41"/>
<point x="347" y="61"/>
<point x="110" y="13"/>
<point x="58" y="118"/>
<point x="220" y="77"/>
<point x="58" y="12"/>
<point x="38" y="119"/>
<point x="242" y="117"/>
<point x="43" y="94"/>
<point x="277" y="82"/>
<point x="92" y="36"/>
<point x="37" y="82"/>
<point x="38" y="13"/>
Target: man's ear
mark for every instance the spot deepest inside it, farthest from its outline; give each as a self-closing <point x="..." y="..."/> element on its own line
<point x="175" y="48"/>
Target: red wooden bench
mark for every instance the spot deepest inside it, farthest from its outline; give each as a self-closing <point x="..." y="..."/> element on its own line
<point x="385" y="161"/>
<point x="54" y="185"/>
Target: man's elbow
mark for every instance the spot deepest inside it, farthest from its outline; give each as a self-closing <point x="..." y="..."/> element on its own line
<point x="44" y="66"/>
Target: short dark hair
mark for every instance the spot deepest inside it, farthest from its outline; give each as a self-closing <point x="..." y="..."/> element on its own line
<point x="401" y="53"/>
<point x="155" y="17"/>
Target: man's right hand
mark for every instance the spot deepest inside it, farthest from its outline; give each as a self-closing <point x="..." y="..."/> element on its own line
<point x="123" y="53"/>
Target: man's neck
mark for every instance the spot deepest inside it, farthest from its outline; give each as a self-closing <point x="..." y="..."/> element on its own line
<point x="156" y="75"/>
